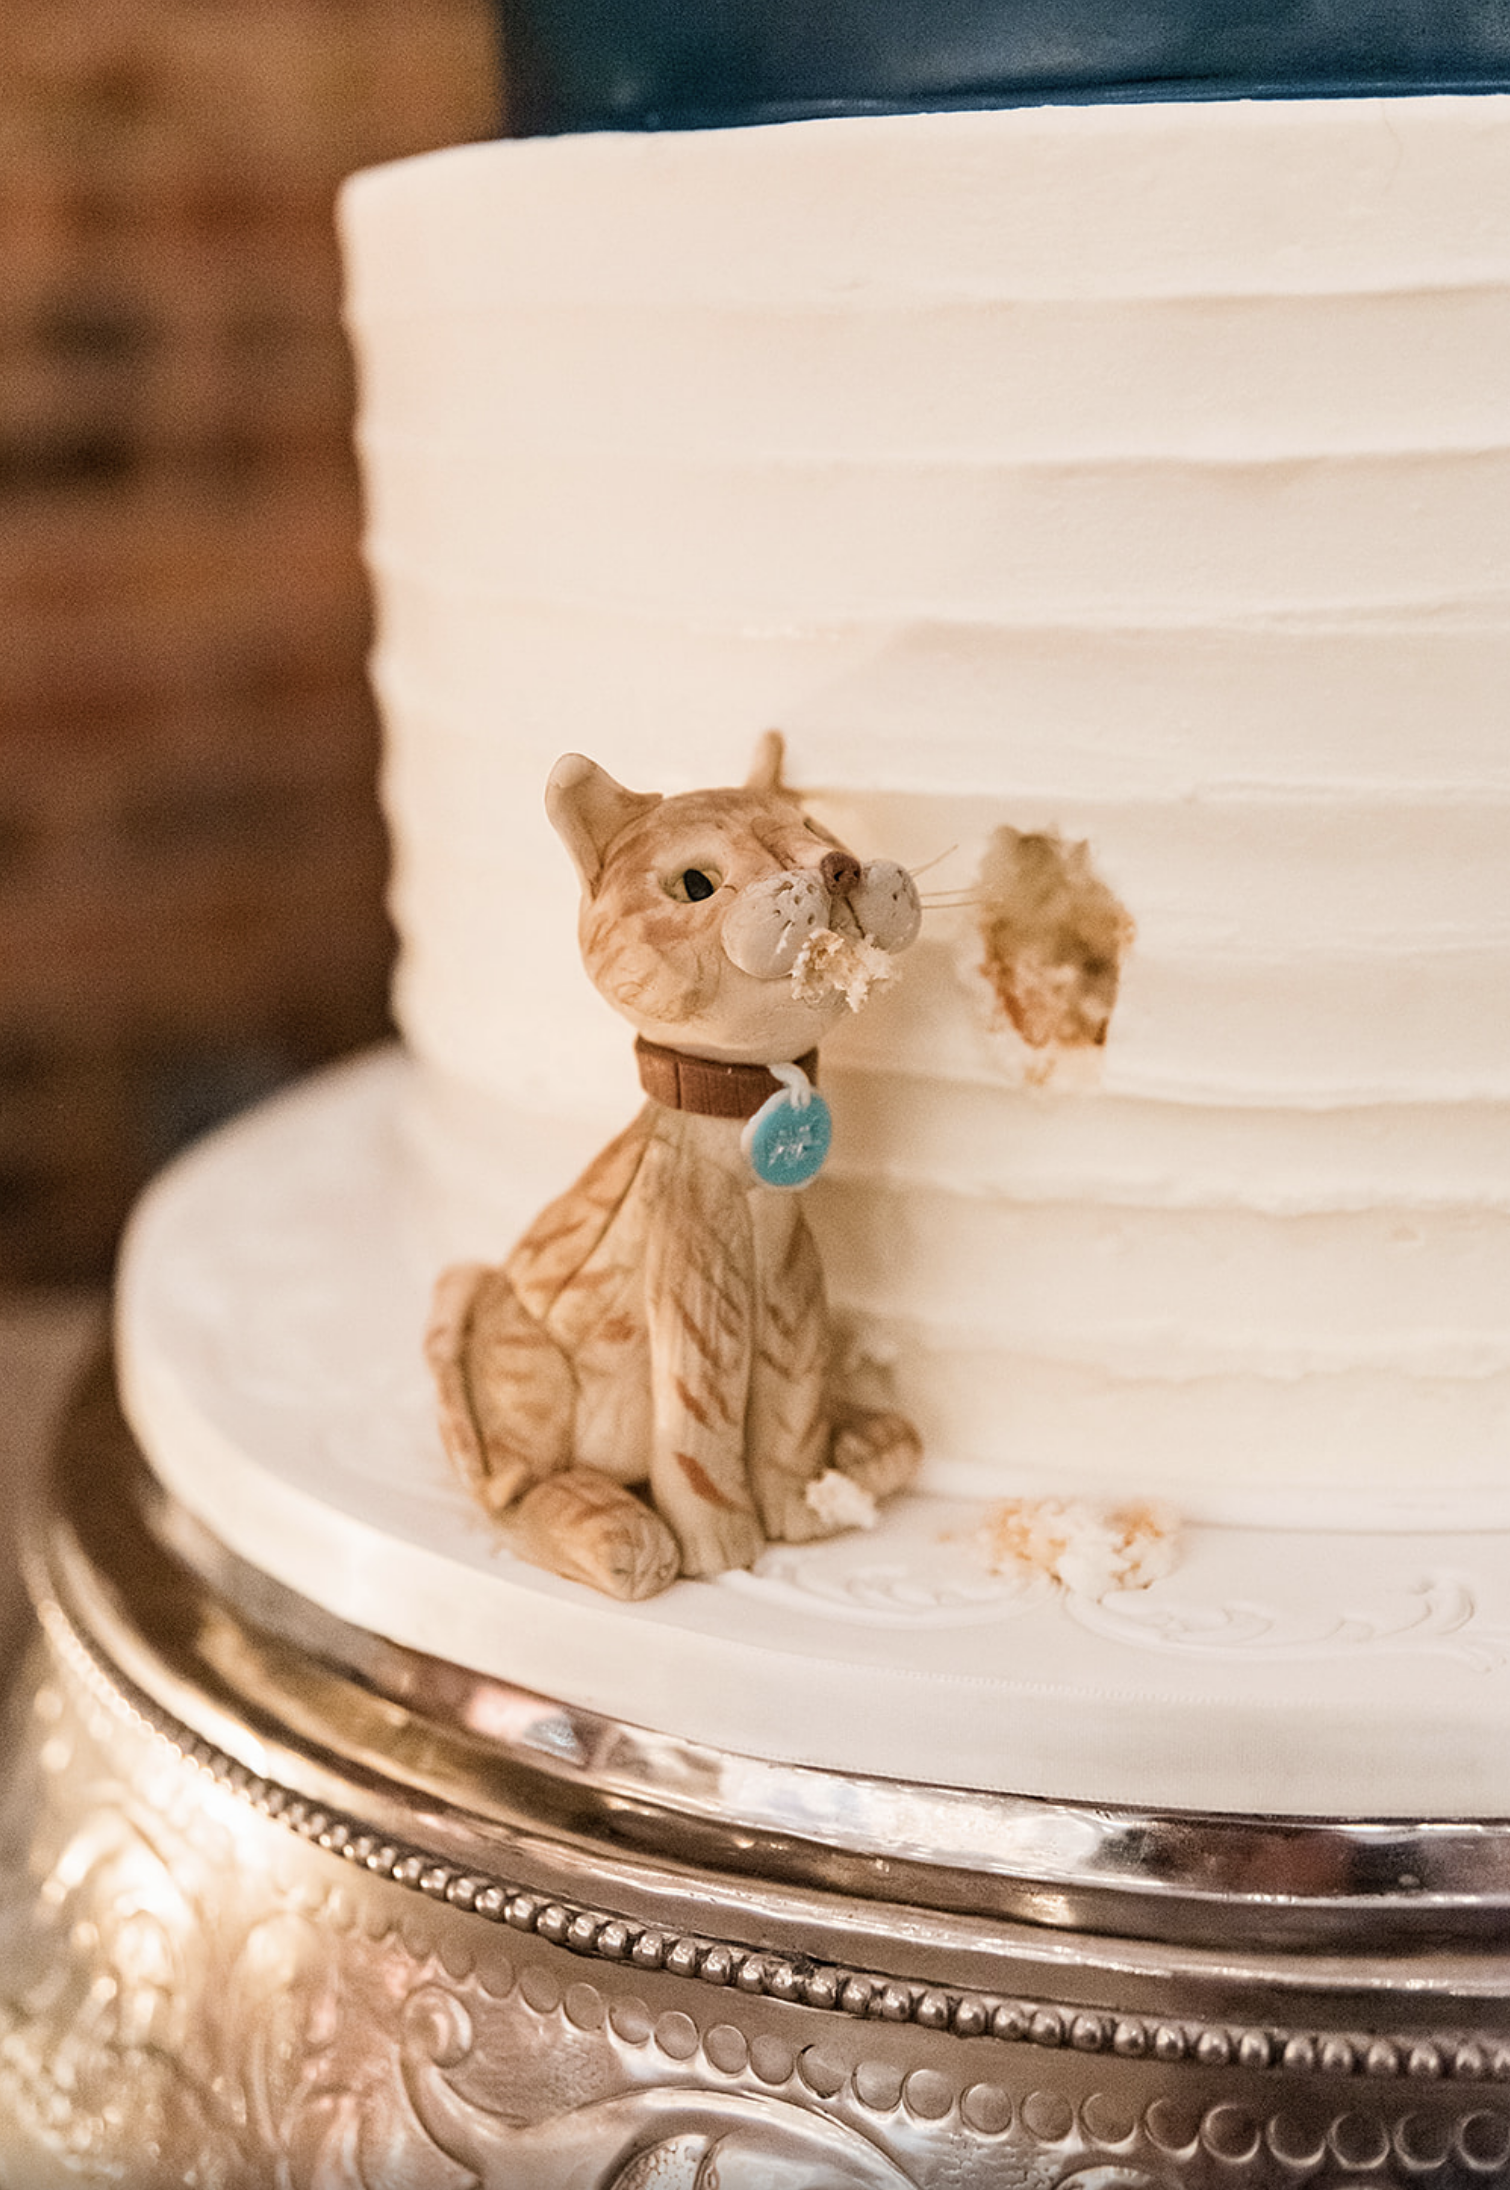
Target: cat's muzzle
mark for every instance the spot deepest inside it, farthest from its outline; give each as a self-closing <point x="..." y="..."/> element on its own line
<point x="771" y="921"/>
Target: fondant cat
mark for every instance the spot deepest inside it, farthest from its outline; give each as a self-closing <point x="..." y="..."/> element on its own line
<point x="663" y="1324"/>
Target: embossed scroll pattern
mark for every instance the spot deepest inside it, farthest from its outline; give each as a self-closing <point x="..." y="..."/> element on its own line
<point x="865" y="1994"/>
<point x="1439" y="1617"/>
<point x="172" y="2009"/>
<point x="205" y="1979"/>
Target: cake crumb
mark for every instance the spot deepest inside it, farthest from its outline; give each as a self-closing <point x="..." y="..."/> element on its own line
<point x="1091" y="1549"/>
<point x="840" y="1502"/>
<point x="852" y="964"/>
<point x="1052" y="941"/>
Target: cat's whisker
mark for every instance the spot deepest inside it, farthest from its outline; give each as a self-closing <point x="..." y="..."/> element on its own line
<point x="936" y="861"/>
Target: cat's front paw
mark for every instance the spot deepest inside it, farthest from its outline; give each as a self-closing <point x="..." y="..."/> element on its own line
<point x="719" y="1543"/>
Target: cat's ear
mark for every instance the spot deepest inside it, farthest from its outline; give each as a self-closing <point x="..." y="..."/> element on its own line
<point x="587" y="810"/>
<point x="765" y="768"/>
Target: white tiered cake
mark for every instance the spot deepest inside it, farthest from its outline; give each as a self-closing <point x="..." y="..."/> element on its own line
<point x="1138" y="473"/>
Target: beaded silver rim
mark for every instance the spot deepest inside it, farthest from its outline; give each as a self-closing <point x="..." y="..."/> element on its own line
<point x="599" y="1934"/>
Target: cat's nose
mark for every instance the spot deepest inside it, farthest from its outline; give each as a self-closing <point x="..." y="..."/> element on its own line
<point x="840" y="873"/>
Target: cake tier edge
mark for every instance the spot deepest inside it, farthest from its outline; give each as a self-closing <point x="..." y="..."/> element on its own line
<point x="272" y="1300"/>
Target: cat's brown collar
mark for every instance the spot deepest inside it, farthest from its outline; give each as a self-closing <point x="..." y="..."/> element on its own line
<point x="708" y="1089"/>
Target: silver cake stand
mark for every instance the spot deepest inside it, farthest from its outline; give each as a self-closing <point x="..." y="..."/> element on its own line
<point x="282" y="1904"/>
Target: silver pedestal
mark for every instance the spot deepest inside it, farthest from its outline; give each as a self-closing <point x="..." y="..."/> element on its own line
<point x="282" y="1904"/>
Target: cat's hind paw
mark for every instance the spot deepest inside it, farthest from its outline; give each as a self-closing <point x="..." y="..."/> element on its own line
<point x="878" y="1450"/>
<point x="587" y="1528"/>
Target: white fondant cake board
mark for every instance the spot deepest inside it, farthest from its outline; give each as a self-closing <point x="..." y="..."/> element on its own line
<point x="272" y="1301"/>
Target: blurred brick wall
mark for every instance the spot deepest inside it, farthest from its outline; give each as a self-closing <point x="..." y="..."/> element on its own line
<point x="191" y="862"/>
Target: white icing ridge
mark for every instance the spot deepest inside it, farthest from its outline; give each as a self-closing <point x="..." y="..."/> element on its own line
<point x="1142" y="473"/>
<point x="1228" y="200"/>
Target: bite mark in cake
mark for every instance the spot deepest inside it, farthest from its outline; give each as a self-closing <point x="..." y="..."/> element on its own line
<point x="1052" y="940"/>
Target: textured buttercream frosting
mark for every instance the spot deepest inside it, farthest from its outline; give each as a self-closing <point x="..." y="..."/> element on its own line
<point x="1138" y="473"/>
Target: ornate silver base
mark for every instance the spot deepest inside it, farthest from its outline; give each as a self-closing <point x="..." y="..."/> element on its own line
<point x="280" y="1904"/>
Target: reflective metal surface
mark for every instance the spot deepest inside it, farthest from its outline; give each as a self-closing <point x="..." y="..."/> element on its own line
<point x="281" y="1905"/>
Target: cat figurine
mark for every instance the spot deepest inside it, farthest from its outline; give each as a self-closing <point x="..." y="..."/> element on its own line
<point x="647" y="1387"/>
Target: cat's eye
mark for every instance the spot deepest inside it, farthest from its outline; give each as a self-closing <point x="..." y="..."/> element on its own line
<point x="692" y="885"/>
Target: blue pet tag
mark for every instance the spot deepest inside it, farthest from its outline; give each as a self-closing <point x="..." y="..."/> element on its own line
<point x="787" y="1139"/>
